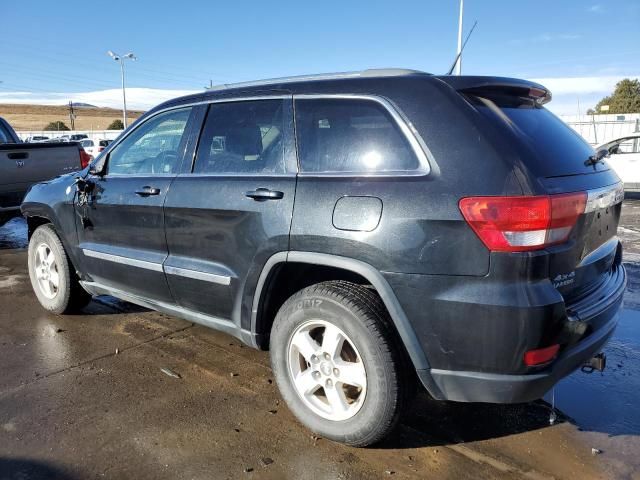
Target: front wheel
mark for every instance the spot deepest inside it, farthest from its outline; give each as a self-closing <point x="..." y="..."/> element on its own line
<point x="338" y="363"/>
<point x="53" y="278"/>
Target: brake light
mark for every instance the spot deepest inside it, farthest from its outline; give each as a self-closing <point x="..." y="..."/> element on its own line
<point x="85" y="158"/>
<point x="540" y="95"/>
<point x="100" y="149"/>
<point x="541" y="356"/>
<point x="519" y="224"/>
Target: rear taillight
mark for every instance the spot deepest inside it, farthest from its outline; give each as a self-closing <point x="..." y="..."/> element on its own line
<point x="100" y="149"/>
<point x="519" y="224"/>
<point x="85" y="158"/>
<point x="541" y="356"/>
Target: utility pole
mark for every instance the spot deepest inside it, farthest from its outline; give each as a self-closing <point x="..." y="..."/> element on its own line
<point x="459" y="52"/>
<point x="72" y="116"/>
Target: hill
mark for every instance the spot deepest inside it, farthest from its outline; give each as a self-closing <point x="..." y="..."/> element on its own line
<point x="36" y="117"/>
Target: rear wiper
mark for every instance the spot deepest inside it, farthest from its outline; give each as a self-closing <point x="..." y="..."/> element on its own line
<point x="597" y="157"/>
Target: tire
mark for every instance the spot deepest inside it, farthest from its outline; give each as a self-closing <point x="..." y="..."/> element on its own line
<point x="369" y="346"/>
<point x="52" y="275"/>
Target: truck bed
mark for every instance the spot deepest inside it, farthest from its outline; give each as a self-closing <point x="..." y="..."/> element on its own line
<point x="23" y="164"/>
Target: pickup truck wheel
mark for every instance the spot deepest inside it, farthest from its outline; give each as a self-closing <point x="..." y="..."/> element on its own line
<point x="338" y="363"/>
<point x="53" y="278"/>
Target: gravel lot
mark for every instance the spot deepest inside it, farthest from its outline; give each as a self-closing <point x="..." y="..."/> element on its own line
<point x="84" y="396"/>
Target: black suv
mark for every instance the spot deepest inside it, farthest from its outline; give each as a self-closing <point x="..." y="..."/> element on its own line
<point x="368" y="228"/>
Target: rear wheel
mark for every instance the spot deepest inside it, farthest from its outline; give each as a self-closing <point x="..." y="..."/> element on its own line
<point x="53" y="278"/>
<point x="338" y="363"/>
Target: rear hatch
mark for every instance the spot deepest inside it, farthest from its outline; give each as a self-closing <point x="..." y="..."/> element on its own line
<point x="553" y="160"/>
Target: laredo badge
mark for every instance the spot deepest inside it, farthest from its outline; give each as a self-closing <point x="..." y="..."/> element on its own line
<point x="564" y="279"/>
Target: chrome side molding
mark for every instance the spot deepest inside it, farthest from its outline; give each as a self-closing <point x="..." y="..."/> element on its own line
<point x="158" y="267"/>
<point x="197" y="275"/>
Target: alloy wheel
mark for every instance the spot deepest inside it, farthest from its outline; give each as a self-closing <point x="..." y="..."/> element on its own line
<point x="46" y="270"/>
<point x="326" y="370"/>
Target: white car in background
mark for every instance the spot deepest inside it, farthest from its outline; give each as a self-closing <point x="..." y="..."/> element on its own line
<point x="36" y="139"/>
<point x="624" y="158"/>
<point x="94" y="147"/>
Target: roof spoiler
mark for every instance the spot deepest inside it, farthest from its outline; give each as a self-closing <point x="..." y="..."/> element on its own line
<point x="499" y="85"/>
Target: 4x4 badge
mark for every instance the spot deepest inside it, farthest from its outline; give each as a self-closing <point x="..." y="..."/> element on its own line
<point x="564" y="279"/>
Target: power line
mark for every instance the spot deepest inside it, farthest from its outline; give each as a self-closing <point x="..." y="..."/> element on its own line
<point x="41" y="74"/>
<point x="151" y="72"/>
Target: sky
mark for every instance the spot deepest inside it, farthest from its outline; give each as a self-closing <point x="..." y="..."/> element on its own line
<point x="53" y="52"/>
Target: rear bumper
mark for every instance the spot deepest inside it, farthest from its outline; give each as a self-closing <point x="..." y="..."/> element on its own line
<point x="467" y="386"/>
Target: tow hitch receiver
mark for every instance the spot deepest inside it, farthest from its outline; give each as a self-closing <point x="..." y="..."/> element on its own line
<point x="597" y="362"/>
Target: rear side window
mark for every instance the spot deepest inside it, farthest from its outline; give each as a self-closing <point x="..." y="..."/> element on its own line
<point x="625" y="145"/>
<point x="350" y="136"/>
<point x="242" y="137"/>
<point x="550" y="145"/>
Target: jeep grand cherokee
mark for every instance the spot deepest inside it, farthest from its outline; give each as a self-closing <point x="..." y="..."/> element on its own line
<point x="367" y="228"/>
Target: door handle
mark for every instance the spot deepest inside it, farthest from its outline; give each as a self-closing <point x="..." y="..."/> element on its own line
<point x="147" y="191"/>
<point x="262" y="194"/>
<point x="18" y="155"/>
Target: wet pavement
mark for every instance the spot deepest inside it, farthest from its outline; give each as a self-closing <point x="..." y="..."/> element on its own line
<point x="84" y="396"/>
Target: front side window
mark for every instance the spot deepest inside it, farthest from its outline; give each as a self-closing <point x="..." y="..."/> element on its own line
<point x="626" y="145"/>
<point x="244" y="137"/>
<point x="152" y="148"/>
<point x="350" y="135"/>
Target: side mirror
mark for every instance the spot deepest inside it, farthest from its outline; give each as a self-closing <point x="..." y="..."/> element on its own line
<point x="97" y="168"/>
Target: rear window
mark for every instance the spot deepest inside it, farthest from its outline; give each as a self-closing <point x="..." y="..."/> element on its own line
<point x="350" y="135"/>
<point x="4" y="136"/>
<point x="552" y="147"/>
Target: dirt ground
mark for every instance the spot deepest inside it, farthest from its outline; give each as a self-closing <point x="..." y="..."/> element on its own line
<point x="36" y="117"/>
<point x="84" y="396"/>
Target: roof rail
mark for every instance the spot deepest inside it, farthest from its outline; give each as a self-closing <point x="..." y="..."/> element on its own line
<point x="374" y="72"/>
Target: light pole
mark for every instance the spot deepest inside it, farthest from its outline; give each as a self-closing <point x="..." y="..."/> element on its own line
<point x="121" y="59"/>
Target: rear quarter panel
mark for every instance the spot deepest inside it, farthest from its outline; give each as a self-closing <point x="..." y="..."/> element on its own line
<point x="421" y="229"/>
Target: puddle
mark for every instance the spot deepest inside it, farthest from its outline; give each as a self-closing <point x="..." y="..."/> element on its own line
<point x="13" y="234"/>
<point x="608" y="402"/>
<point x="11" y="281"/>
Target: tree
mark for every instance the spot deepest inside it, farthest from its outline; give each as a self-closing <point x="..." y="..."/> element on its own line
<point x="116" y="125"/>
<point x="58" y="126"/>
<point x="624" y="99"/>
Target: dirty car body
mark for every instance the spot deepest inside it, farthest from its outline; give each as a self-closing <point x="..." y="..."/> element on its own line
<point x="466" y="206"/>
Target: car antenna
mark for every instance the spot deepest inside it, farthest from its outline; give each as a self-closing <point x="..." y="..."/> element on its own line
<point x="461" y="50"/>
